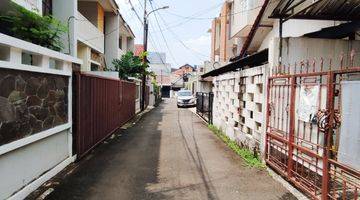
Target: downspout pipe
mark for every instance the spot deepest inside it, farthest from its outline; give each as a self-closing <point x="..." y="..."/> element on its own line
<point x="253" y="30"/>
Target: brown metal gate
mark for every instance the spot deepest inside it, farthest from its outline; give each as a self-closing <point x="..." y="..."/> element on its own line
<point x="101" y="106"/>
<point x="305" y="151"/>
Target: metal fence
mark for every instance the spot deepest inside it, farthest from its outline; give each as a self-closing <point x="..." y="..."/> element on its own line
<point x="204" y="102"/>
<point x="307" y="141"/>
<point x="101" y="106"/>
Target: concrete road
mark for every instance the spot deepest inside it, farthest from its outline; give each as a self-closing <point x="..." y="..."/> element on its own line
<point x="168" y="154"/>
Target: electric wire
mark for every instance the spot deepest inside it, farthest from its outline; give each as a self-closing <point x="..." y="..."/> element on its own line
<point x="150" y="36"/>
<point x="194" y="15"/>
<point x="162" y="34"/>
<point x="152" y="41"/>
<point x="181" y="42"/>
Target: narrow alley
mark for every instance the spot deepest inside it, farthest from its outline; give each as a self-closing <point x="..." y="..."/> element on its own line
<point x="168" y="154"/>
<point x="95" y="99"/>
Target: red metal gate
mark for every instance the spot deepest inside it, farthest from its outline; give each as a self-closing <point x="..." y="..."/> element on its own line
<point x="306" y="151"/>
<point x="101" y="106"/>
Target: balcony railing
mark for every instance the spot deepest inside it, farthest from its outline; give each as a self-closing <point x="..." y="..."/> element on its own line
<point x="89" y="34"/>
<point x="43" y="60"/>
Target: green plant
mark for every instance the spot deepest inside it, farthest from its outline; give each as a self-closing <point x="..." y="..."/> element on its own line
<point x="21" y="23"/>
<point x="249" y="157"/>
<point x="131" y="66"/>
<point x="155" y="86"/>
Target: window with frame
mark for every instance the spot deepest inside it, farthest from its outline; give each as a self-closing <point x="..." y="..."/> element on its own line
<point x="46" y="7"/>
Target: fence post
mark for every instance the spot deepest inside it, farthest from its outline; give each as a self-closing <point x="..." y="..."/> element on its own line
<point x="328" y="135"/>
<point x="211" y="96"/>
<point x="292" y="126"/>
<point x="197" y="102"/>
<point x="202" y="104"/>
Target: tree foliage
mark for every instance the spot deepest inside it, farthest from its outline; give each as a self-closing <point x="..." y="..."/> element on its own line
<point x="156" y="86"/>
<point x="131" y="66"/>
<point x="21" y="23"/>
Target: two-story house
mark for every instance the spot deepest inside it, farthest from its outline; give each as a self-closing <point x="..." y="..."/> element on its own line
<point x="262" y="46"/>
<point x="93" y="26"/>
<point x="36" y="82"/>
<point x="35" y="97"/>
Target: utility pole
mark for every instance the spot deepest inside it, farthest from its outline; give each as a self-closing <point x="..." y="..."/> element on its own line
<point x="145" y="58"/>
<point x="146" y="32"/>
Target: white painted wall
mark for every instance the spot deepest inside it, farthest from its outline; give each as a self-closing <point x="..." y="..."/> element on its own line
<point x="32" y="5"/>
<point x="65" y="11"/>
<point x="300" y="49"/>
<point x="124" y="43"/>
<point x="151" y="95"/>
<point x="130" y="44"/>
<point x="127" y="43"/>
<point x="84" y="53"/>
<point x="27" y="163"/>
<point x="21" y="166"/>
<point x="138" y="95"/>
<point x="106" y="74"/>
<point x="295" y="28"/>
<point x="111" y="39"/>
<point x="243" y="16"/>
<point x="89" y="34"/>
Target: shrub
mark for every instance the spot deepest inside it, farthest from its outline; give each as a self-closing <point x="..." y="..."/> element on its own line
<point x="131" y="66"/>
<point x="21" y="23"/>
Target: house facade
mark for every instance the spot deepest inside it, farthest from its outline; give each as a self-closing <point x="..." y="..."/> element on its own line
<point x="267" y="45"/>
<point x="36" y="95"/>
<point x="158" y="65"/>
<point x="196" y="83"/>
<point x="126" y="38"/>
<point x="179" y="77"/>
<point x="36" y="110"/>
<point x="93" y="26"/>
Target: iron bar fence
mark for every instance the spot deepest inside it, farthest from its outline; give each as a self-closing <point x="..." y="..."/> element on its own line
<point x="309" y="145"/>
<point x="204" y="103"/>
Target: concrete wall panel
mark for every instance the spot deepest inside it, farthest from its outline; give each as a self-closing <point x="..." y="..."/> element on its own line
<point x="21" y="166"/>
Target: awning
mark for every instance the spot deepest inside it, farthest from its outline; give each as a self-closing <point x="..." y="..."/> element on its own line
<point x="338" y="10"/>
<point x="336" y="32"/>
<point x="253" y="60"/>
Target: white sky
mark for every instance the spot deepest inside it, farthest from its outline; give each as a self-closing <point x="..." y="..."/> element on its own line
<point x="188" y="38"/>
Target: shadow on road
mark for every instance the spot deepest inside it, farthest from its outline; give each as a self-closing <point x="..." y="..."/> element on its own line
<point x="121" y="168"/>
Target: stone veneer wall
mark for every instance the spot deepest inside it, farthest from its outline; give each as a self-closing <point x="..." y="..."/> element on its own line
<point x="31" y="102"/>
<point x="239" y="106"/>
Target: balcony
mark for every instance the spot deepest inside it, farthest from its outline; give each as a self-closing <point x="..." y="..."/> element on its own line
<point x="89" y="34"/>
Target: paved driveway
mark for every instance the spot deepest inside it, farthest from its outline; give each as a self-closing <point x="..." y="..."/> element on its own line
<point x="168" y="154"/>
